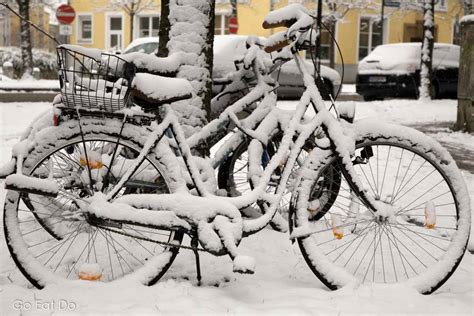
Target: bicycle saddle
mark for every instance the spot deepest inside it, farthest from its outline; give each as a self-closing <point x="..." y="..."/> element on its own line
<point x="150" y="91"/>
<point x="149" y="63"/>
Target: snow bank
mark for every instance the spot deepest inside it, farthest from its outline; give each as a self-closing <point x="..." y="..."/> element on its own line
<point x="29" y="84"/>
<point x="283" y="286"/>
<point x="396" y="111"/>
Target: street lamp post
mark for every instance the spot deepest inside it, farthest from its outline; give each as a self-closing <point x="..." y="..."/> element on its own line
<point x="381" y="20"/>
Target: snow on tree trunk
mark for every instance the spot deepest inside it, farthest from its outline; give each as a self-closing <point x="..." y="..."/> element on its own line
<point x="192" y="32"/>
<point x="427" y="51"/>
<point x="25" y="35"/>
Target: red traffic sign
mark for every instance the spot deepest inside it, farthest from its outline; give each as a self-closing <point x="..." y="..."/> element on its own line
<point x="65" y="14"/>
<point x="233" y="25"/>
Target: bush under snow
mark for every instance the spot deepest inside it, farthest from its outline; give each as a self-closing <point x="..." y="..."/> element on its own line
<point x="44" y="60"/>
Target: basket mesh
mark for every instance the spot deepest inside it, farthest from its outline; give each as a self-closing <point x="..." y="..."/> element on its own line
<point x="89" y="83"/>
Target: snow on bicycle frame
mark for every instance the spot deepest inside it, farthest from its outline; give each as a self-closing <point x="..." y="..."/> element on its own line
<point x="216" y="220"/>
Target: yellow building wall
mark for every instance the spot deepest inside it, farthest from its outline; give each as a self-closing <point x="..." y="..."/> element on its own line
<point x="100" y="10"/>
<point x="347" y="30"/>
<point x="39" y="17"/>
<point x="252" y="13"/>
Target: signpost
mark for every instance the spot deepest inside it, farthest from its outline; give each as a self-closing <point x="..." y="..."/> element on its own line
<point x="65" y="29"/>
<point x="65" y="14"/>
<point x="233" y="25"/>
<point x="392" y="3"/>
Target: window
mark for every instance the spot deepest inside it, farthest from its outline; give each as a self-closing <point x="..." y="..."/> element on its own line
<point x="456" y="33"/>
<point x="115" y="33"/>
<point x="4" y="29"/>
<point x="370" y="36"/>
<point x="148" y="26"/>
<point x="441" y="5"/>
<point x="84" y="29"/>
<point x="325" y="45"/>
<point x="414" y="32"/>
<point x="221" y="25"/>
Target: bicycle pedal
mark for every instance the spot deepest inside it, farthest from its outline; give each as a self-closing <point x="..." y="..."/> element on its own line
<point x="244" y="265"/>
<point x="347" y="111"/>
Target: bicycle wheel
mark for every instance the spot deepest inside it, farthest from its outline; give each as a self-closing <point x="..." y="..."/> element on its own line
<point x="422" y="234"/>
<point x="50" y="240"/>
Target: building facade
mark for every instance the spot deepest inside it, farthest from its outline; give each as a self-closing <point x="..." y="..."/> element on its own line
<point x="10" y="27"/>
<point x="358" y="28"/>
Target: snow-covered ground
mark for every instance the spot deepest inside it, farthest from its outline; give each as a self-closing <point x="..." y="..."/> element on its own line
<point x="348" y="88"/>
<point x="283" y="284"/>
<point x="29" y="84"/>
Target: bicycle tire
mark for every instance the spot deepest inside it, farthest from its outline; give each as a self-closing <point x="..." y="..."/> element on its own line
<point x="61" y="139"/>
<point x="430" y="254"/>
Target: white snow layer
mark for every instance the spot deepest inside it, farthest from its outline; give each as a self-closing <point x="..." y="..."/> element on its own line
<point x="161" y="88"/>
<point x="24" y="182"/>
<point x="188" y="31"/>
<point x="467" y="18"/>
<point x="283" y="284"/>
<point x="89" y="52"/>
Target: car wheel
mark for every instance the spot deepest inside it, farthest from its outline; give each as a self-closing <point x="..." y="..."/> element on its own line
<point x="372" y="98"/>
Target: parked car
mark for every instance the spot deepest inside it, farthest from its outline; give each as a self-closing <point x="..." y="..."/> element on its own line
<point x="228" y="48"/>
<point x="145" y="45"/>
<point x="393" y="70"/>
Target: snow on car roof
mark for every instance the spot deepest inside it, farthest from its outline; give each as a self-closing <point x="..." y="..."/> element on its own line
<point x="400" y="57"/>
<point x="142" y="40"/>
<point x="220" y="41"/>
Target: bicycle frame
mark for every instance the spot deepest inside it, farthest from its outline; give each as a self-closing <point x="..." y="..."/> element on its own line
<point x="288" y="151"/>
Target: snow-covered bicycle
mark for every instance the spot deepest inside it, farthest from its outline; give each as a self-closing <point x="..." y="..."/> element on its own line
<point x="111" y="198"/>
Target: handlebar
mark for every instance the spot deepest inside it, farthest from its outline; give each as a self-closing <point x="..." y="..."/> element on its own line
<point x="296" y="18"/>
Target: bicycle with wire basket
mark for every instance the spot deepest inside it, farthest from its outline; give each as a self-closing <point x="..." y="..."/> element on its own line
<point x="371" y="202"/>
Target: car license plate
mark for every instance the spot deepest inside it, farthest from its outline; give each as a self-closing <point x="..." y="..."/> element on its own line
<point x="377" y="79"/>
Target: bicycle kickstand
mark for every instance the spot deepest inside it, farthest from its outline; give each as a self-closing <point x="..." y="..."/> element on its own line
<point x="195" y="244"/>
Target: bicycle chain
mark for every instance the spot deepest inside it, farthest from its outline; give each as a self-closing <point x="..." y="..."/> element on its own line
<point x="152" y="240"/>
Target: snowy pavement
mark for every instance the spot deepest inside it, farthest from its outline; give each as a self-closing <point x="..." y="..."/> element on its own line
<point x="282" y="284"/>
<point x="29" y="85"/>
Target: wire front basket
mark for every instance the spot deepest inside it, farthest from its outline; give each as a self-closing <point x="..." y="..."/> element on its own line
<point x="94" y="80"/>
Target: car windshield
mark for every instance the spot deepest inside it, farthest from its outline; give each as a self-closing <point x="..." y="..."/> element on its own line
<point x="146" y="48"/>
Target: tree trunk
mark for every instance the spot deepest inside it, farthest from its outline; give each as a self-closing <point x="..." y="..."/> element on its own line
<point x="426" y="73"/>
<point x="25" y="36"/>
<point x="191" y="22"/>
<point x="233" y="5"/>
<point x="164" y="32"/>
<point x="209" y="55"/>
<point x="132" y="17"/>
